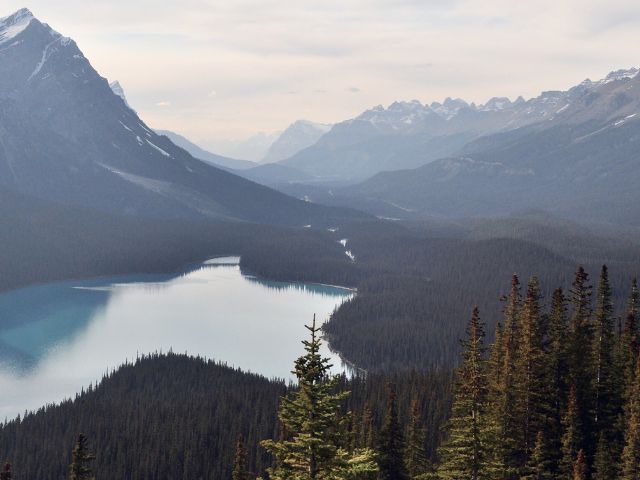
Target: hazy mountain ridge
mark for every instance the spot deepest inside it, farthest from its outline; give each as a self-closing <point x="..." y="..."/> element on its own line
<point x="296" y="137"/>
<point x="202" y="154"/>
<point x="569" y="165"/>
<point x="65" y="136"/>
<point x="411" y="134"/>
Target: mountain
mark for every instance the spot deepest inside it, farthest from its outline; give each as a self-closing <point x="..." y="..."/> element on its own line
<point x="183" y="142"/>
<point x="66" y="137"/>
<point x="253" y="148"/>
<point x="583" y="163"/>
<point x="119" y="91"/>
<point x="298" y="136"/>
<point x="410" y="134"/>
<point x="202" y="154"/>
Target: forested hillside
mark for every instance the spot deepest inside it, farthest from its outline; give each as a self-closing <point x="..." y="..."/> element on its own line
<point x="178" y="417"/>
<point x="414" y="291"/>
<point x="48" y="242"/>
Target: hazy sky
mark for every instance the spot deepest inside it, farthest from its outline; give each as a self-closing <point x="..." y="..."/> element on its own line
<point x="228" y="69"/>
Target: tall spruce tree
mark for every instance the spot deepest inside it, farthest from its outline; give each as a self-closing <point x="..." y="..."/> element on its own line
<point x="500" y="427"/>
<point x="415" y="457"/>
<point x="580" y="359"/>
<point x="629" y="343"/>
<point x="572" y="436"/>
<point x="313" y="447"/>
<point x="557" y="369"/>
<point x="463" y="454"/>
<point x="626" y="358"/>
<point x="605" y="465"/>
<point x="607" y="399"/>
<point x="631" y="453"/>
<point x="367" y="429"/>
<point x="540" y="465"/>
<point x="533" y="407"/>
<point x="81" y="459"/>
<point x="240" y="471"/>
<point x="391" y="443"/>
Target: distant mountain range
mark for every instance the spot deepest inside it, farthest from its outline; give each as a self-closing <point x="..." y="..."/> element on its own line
<point x="252" y="148"/>
<point x="411" y="134"/>
<point x="66" y="137"/>
<point x="298" y="136"/>
<point x="202" y="154"/>
<point x="573" y="153"/>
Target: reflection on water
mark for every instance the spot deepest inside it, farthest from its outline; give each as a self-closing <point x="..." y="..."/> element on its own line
<point x="57" y="338"/>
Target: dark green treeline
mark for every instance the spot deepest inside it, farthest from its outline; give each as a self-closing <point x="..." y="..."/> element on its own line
<point x="179" y="417"/>
<point x="557" y="395"/>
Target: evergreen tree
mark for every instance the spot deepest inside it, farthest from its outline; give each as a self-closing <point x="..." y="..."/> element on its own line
<point x="81" y="459"/>
<point x="415" y="457"/>
<point x="240" y="471"/>
<point x="354" y="431"/>
<point x="626" y="358"/>
<point x="628" y="350"/>
<point x="501" y="431"/>
<point x="391" y="444"/>
<point x="6" y="472"/>
<point x="571" y="439"/>
<point x="540" y="463"/>
<point x="607" y="400"/>
<point x="367" y="429"/>
<point x="533" y="407"/>
<point x="313" y="447"/>
<point x="557" y="369"/>
<point x="604" y="463"/>
<point x="580" y="359"/>
<point x="631" y="453"/>
<point x="463" y="453"/>
<point x="580" y="467"/>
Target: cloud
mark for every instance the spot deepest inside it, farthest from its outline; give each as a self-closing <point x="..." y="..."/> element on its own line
<point x="353" y="90"/>
<point x="212" y="93"/>
<point x="163" y="103"/>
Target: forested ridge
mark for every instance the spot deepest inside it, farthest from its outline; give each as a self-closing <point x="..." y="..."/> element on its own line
<point x="49" y="242"/>
<point x="414" y="291"/>
<point x="173" y="416"/>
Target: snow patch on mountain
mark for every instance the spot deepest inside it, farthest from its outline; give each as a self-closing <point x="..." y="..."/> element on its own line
<point x="14" y="25"/>
<point x="119" y="91"/>
<point x="166" y="154"/>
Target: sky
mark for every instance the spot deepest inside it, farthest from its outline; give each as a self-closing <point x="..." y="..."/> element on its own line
<point x="222" y="70"/>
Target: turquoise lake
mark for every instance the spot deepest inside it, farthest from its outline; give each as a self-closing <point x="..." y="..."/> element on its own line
<point x="57" y="338"/>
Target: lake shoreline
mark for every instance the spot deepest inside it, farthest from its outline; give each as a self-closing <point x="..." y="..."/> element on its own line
<point x="210" y="309"/>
